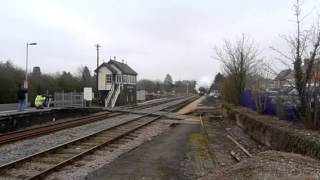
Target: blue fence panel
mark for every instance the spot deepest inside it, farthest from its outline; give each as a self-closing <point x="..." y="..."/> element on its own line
<point x="292" y="114"/>
<point x="291" y="108"/>
<point x="271" y="107"/>
<point x="247" y="100"/>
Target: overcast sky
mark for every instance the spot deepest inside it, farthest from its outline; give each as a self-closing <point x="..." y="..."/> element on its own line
<point x="154" y="37"/>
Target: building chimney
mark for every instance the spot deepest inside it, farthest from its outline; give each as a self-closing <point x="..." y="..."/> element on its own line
<point x="36" y="71"/>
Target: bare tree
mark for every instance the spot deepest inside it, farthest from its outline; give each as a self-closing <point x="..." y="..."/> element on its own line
<point x="239" y="61"/>
<point x="304" y="45"/>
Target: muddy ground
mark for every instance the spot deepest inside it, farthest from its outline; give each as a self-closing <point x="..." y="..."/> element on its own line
<point x="160" y="158"/>
<point x="264" y="164"/>
<point x="206" y="152"/>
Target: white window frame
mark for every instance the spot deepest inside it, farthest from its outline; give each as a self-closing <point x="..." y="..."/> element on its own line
<point x="125" y="79"/>
<point x="109" y="78"/>
<point x="134" y="79"/>
<point x="130" y="79"/>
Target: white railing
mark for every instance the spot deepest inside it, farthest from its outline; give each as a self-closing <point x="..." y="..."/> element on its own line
<point x="107" y="101"/>
<point x="115" y="97"/>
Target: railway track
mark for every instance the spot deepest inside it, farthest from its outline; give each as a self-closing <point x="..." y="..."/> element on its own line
<point x="142" y="106"/>
<point x="46" y="129"/>
<point x="37" y="166"/>
<point x="179" y="106"/>
<point x="42" y="130"/>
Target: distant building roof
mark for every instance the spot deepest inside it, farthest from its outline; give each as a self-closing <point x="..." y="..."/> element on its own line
<point x="283" y="74"/>
<point x="123" y="67"/>
<point x="108" y="66"/>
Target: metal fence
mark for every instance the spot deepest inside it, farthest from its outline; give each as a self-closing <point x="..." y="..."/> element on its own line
<point x="284" y="106"/>
<point x="72" y="99"/>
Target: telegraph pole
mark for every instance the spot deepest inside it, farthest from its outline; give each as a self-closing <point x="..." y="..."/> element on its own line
<point x="97" y="46"/>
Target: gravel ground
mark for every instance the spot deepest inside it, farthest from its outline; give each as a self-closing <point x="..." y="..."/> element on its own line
<point x="264" y="165"/>
<point x="159" y="159"/>
<point x="244" y="139"/>
<point x="27" y="147"/>
<point x="80" y="169"/>
<point x="271" y="165"/>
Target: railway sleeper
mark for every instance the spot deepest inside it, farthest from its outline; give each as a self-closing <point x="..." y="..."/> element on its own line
<point x="136" y="125"/>
<point x="89" y="144"/>
<point x="110" y="149"/>
<point x="21" y="173"/>
<point x="38" y="166"/>
<point x="102" y="138"/>
<point x="109" y="134"/>
<point x="137" y="133"/>
<point x="129" y="138"/>
<point x="78" y="147"/>
<point x="113" y="146"/>
<point x="89" y="158"/>
<point x="70" y="151"/>
<point x="132" y="135"/>
<point x="63" y="155"/>
<point x="7" y="177"/>
<point x="120" y="131"/>
<point x="49" y="160"/>
<point x="99" y="141"/>
<point x="105" y="135"/>
<point x="128" y="129"/>
<point x="120" y="142"/>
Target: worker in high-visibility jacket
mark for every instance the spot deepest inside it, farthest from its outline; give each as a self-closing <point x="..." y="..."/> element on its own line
<point x="39" y="101"/>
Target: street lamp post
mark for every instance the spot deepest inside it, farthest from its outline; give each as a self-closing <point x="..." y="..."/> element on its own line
<point x="26" y="78"/>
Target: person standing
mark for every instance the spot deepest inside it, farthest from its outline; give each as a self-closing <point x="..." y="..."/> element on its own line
<point x="21" y="97"/>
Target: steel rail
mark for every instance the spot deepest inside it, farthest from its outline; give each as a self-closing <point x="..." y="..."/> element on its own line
<point x="91" y="149"/>
<point x="181" y="105"/>
<point x="42" y="130"/>
<point x="142" y="106"/>
<point x="126" y="130"/>
<point x="72" y="142"/>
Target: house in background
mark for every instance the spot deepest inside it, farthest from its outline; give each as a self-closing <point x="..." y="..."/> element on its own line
<point x="315" y="77"/>
<point x="116" y="83"/>
<point x="284" y="79"/>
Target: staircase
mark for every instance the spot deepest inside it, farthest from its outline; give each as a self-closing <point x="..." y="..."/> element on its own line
<point x="115" y="97"/>
<point x="107" y="100"/>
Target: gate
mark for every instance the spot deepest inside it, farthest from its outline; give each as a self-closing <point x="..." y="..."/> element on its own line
<point x="71" y="99"/>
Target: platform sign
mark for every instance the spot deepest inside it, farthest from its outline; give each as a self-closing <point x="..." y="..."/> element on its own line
<point x="87" y="94"/>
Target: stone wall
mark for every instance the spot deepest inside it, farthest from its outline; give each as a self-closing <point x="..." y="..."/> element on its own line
<point x="275" y="133"/>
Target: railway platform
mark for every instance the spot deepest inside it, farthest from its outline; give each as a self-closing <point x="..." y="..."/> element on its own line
<point x="14" y="120"/>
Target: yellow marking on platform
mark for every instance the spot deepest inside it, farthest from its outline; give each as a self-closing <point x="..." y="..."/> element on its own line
<point x="192" y="106"/>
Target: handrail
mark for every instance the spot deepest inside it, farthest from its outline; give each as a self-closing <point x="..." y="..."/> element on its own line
<point x="115" y="97"/>
<point x="109" y="95"/>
